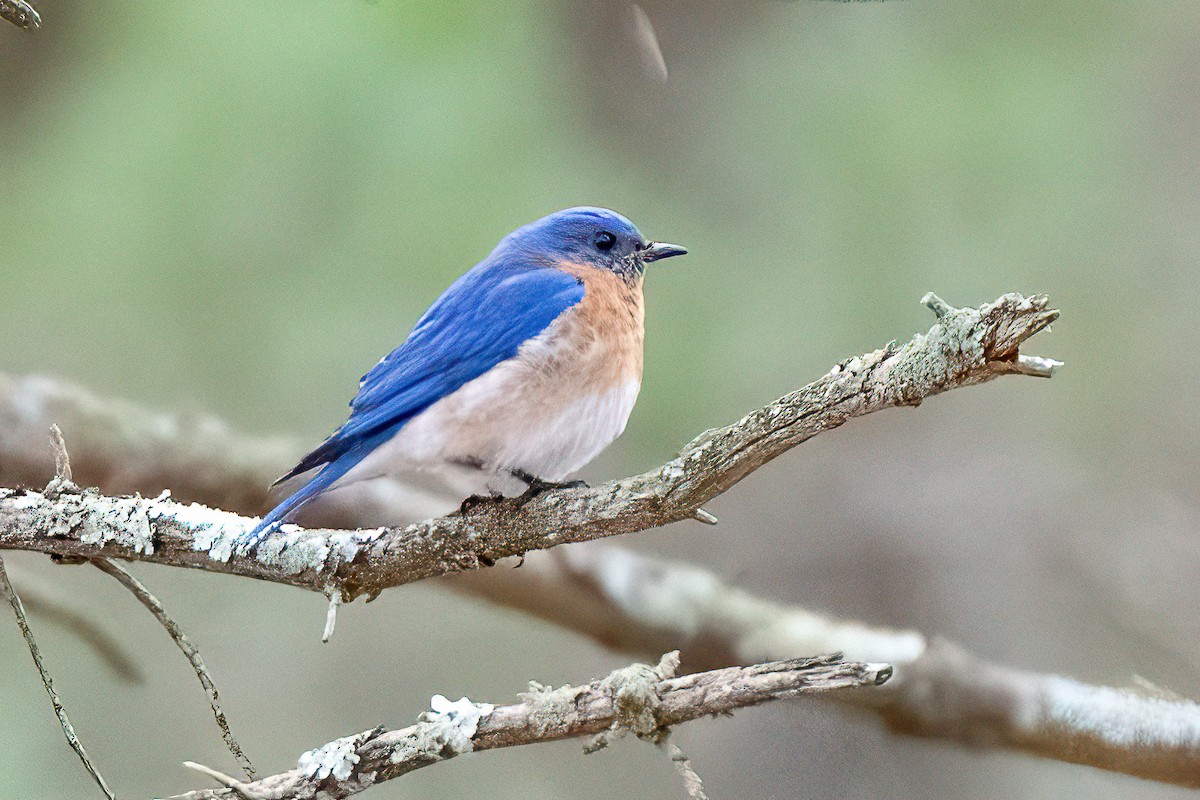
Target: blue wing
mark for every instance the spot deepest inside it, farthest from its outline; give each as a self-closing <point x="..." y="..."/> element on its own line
<point x="480" y="321"/>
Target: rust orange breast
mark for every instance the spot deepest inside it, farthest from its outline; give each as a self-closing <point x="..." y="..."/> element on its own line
<point x="606" y="328"/>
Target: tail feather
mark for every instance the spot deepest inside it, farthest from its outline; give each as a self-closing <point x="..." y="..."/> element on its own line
<point x="326" y="453"/>
<point x="330" y="473"/>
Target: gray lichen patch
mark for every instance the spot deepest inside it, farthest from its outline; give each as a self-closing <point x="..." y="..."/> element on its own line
<point x="293" y="550"/>
<point x="636" y="703"/>
<point x="551" y="709"/>
<point x="124" y="522"/>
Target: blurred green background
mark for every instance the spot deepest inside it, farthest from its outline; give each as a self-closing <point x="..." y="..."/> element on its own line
<point x="238" y="207"/>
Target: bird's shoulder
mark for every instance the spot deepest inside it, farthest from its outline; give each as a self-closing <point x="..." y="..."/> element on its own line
<point x="481" y="320"/>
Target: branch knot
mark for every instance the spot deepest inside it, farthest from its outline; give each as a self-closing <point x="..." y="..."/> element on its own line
<point x="636" y="702"/>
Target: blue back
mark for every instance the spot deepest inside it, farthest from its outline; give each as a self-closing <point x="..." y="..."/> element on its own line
<point x="480" y="321"/>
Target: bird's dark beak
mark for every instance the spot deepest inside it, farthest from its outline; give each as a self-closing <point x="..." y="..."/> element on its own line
<point x="657" y="250"/>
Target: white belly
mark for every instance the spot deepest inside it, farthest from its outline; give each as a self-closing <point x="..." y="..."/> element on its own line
<point x="504" y="420"/>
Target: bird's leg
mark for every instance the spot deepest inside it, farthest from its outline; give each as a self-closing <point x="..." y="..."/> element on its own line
<point x="533" y="487"/>
<point x="476" y="500"/>
<point x="536" y="485"/>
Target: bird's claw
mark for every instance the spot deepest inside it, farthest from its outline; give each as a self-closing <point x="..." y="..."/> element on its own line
<point x="478" y="501"/>
<point x="537" y="486"/>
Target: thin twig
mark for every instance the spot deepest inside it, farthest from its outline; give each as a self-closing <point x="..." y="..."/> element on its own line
<point x="20" y="13"/>
<point x="228" y="781"/>
<point x="62" y="460"/>
<point x="642" y="699"/>
<point x="147" y="599"/>
<point x="335" y="600"/>
<point x="683" y="765"/>
<point x="9" y="594"/>
<point x="647" y="41"/>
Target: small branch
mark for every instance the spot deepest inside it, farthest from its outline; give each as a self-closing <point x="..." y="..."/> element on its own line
<point x="691" y="781"/>
<point x="62" y="461"/>
<point x="152" y="604"/>
<point x="20" y="13"/>
<point x="335" y="600"/>
<point x="1037" y="367"/>
<point x="636" y="604"/>
<point x="646" y="700"/>
<point x="949" y="693"/>
<point x="229" y="782"/>
<point x="967" y="346"/>
<point x="653" y="63"/>
<point x="9" y="594"/>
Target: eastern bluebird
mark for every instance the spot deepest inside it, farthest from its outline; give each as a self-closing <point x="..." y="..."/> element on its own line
<point x="521" y="373"/>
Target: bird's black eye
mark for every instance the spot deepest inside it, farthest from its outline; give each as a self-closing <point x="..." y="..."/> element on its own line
<point x="605" y="241"/>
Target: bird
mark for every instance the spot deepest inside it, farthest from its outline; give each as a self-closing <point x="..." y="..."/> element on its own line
<point x="519" y="374"/>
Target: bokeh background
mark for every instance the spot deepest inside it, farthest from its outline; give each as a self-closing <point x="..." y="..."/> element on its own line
<point x="238" y="207"/>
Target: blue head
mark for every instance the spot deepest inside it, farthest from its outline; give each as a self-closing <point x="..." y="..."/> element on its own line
<point x="594" y="237"/>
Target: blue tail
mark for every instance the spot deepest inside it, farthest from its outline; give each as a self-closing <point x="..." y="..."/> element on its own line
<point x="320" y="482"/>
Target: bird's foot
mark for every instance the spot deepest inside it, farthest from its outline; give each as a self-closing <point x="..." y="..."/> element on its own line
<point x="478" y="501"/>
<point x="536" y="486"/>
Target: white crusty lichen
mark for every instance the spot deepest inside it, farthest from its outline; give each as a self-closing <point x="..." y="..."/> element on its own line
<point x="122" y="521"/>
<point x="212" y="531"/>
<point x="293" y="550"/>
<point x="455" y="723"/>
<point x="335" y="759"/>
<point x="445" y="731"/>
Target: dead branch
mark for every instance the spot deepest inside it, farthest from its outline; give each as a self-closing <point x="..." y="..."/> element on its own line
<point x="637" y="604"/>
<point x="640" y="699"/>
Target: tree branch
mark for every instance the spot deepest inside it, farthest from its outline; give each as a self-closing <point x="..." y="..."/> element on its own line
<point x="646" y="701"/>
<point x="965" y="347"/>
<point x="937" y="691"/>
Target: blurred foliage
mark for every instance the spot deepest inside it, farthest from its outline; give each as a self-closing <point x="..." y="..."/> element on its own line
<point x="240" y="206"/>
